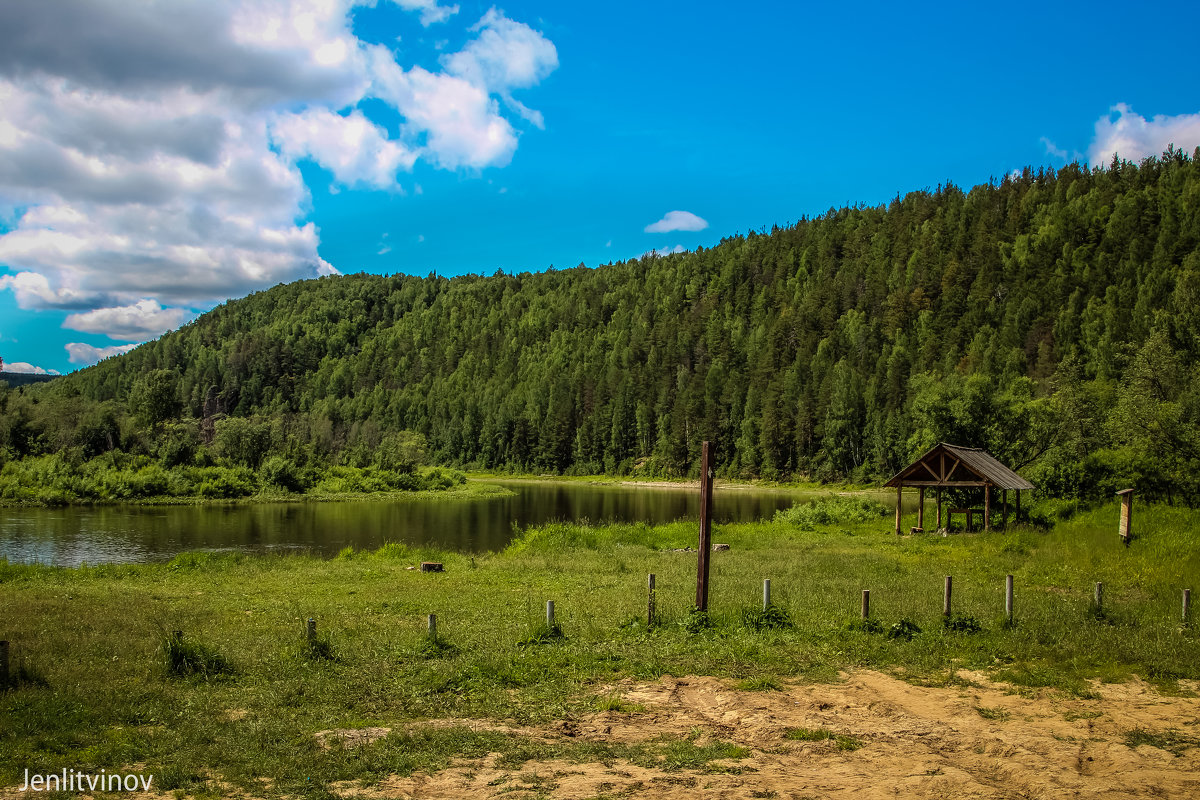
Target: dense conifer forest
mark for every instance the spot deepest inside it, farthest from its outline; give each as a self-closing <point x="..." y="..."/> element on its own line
<point x="1052" y="318"/>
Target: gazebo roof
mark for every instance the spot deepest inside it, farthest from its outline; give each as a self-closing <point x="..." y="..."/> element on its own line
<point x="949" y="465"/>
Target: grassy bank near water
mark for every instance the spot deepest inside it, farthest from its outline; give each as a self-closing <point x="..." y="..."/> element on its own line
<point x="91" y="645"/>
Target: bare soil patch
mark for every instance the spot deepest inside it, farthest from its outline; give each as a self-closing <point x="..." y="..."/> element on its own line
<point x="975" y="739"/>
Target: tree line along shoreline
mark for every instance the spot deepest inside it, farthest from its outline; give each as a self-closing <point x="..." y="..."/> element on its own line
<point x="1050" y="318"/>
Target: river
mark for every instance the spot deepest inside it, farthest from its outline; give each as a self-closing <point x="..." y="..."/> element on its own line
<point x="123" y="534"/>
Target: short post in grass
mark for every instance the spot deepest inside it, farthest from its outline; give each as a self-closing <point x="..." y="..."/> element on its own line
<point x="433" y="627"/>
<point x="866" y="603"/>
<point x="1098" y="597"/>
<point x="946" y="597"/>
<point x="650" y="602"/>
<point x="311" y="631"/>
<point x="1008" y="599"/>
<point x="4" y="662"/>
<point x="1187" y="613"/>
<point x="550" y="614"/>
<point x="766" y="593"/>
<point x="1125" y="525"/>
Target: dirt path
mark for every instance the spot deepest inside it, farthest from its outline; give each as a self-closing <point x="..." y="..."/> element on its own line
<point x="972" y="741"/>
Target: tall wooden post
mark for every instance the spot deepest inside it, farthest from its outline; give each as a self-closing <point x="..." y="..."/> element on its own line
<point x="946" y="596"/>
<point x="987" y="507"/>
<point x="705" y="528"/>
<point x="921" y="508"/>
<point x="899" y="498"/>
<point x="939" y="505"/>
<point x="1126" y="525"/>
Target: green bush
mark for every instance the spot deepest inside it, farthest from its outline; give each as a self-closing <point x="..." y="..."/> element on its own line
<point x="831" y="510"/>
<point x="281" y="472"/>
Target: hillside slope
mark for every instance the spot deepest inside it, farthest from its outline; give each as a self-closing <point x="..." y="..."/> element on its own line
<point x="1053" y="318"/>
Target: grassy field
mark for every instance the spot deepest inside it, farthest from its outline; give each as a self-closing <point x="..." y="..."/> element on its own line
<point x="102" y="682"/>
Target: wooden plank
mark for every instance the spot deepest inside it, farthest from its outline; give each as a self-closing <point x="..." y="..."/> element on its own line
<point x="949" y="484"/>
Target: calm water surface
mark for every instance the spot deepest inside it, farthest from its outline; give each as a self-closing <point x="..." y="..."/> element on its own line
<point x="73" y="536"/>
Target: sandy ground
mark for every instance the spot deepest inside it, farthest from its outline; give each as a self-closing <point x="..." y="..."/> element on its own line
<point x="974" y="739"/>
<point x="917" y="742"/>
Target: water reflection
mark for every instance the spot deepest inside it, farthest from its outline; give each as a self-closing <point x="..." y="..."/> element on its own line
<point x="116" y="534"/>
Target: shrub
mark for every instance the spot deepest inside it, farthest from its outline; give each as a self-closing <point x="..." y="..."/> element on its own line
<point x="904" y="629"/>
<point x="831" y="510"/>
<point x="961" y="623"/>
<point x="281" y="472"/>
<point x="219" y="482"/>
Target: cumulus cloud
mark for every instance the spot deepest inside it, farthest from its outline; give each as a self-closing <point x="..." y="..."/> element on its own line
<point x="1132" y="137"/>
<point x="431" y="12"/>
<point x="86" y="354"/>
<point x="677" y="221"/>
<point x="148" y="151"/>
<point x="460" y="120"/>
<point x="25" y="368"/>
<point x="138" y="322"/>
<point x="354" y="149"/>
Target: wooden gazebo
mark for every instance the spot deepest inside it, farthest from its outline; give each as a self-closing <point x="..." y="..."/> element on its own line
<point x="948" y="466"/>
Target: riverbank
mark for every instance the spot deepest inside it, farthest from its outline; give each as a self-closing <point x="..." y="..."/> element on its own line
<point x="372" y="705"/>
<point x="52" y="481"/>
<point x="719" y="484"/>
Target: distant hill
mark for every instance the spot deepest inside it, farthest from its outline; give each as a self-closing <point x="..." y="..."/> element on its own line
<point x="15" y="379"/>
<point x="1048" y="317"/>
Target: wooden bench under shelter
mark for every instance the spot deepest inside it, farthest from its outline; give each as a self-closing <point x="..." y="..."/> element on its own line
<point x="949" y="466"/>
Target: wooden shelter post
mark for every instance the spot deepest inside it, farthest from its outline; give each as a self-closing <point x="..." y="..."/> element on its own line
<point x="939" y="505"/>
<point x="921" y="508"/>
<point x="899" y="497"/>
<point x="1004" y="508"/>
<point x="987" y="507"/>
<point x="1018" y="515"/>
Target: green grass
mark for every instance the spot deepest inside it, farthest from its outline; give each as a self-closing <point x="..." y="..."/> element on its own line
<point x="96" y="689"/>
<point x="842" y="741"/>
<point x="1172" y="741"/>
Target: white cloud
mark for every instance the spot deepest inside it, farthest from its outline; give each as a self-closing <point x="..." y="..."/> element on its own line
<point x="86" y="354"/>
<point x="431" y="12"/>
<point x="143" y="320"/>
<point x="1132" y="137"/>
<point x="148" y="151"/>
<point x="25" y="368"/>
<point x="1054" y="150"/>
<point x="506" y="55"/>
<point x="461" y="123"/>
<point x="355" y="149"/>
<point x="677" y="221"/>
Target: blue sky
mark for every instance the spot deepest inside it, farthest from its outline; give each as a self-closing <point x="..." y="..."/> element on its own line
<point x="158" y="158"/>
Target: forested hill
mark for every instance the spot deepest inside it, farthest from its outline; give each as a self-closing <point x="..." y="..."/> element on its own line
<point x="1053" y="318"/>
